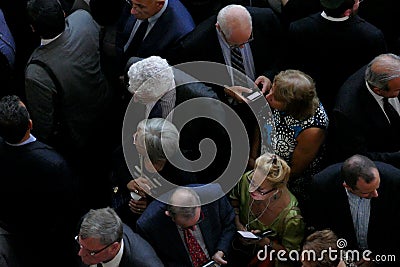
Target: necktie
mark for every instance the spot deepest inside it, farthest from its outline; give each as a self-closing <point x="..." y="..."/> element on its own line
<point x="137" y="38"/>
<point x="197" y="255"/>
<point x="99" y="265"/>
<point x="238" y="76"/>
<point x="392" y="114"/>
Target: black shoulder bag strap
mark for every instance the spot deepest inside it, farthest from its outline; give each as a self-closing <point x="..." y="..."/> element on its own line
<point x="58" y="118"/>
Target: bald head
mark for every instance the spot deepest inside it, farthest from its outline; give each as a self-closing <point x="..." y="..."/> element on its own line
<point x="234" y="18"/>
<point x="184" y="202"/>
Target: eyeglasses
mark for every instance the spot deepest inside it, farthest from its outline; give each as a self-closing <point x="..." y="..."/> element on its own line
<point x="232" y="46"/>
<point x="91" y="252"/>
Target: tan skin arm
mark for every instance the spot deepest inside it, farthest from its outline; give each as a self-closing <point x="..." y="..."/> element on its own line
<point x="309" y="142"/>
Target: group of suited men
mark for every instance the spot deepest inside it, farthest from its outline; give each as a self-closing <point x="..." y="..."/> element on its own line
<point x="333" y="47"/>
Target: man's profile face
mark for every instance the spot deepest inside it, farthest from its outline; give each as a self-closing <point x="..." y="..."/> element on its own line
<point x="365" y="190"/>
<point x="394" y="89"/>
<point x="144" y="9"/>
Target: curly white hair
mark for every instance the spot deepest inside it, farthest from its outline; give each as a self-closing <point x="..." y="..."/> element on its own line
<point x="150" y="79"/>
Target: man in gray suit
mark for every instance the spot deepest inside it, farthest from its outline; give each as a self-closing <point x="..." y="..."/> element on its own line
<point x="70" y="114"/>
<point x="104" y="238"/>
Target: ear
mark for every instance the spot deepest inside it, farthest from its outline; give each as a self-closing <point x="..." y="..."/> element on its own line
<point x="217" y="26"/>
<point x="160" y="3"/>
<point x="30" y="125"/>
<point x="347" y="13"/>
<point x="376" y="90"/>
<point x="346" y="186"/>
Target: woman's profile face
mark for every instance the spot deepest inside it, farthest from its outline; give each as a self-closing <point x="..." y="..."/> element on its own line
<point x="273" y="103"/>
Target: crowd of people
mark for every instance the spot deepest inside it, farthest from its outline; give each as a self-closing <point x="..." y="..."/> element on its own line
<point x="102" y="163"/>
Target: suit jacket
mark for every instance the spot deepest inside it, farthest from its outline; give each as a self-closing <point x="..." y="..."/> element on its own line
<point x="202" y="43"/>
<point x="82" y="105"/>
<point x="322" y="49"/>
<point x="137" y="252"/>
<point x="359" y="125"/>
<point x="34" y="178"/>
<point x="161" y="232"/>
<point x="331" y="208"/>
<point x="173" y="24"/>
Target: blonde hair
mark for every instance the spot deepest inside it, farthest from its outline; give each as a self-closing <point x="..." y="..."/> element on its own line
<point x="297" y="91"/>
<point x="275" y="170"/>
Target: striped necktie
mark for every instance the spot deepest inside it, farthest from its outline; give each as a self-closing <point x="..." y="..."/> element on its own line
<point x="238" y="76"/>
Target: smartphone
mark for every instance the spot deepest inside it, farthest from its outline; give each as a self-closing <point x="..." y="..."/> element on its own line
<point x="258" y="236"/>
<point x="253" y="95"/>
<point x="248" y="235"/>
<point x="211" y="264"/>
<point x="266" y="233"/>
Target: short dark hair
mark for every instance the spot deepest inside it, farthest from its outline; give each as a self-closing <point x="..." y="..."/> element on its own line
<point x="14" y="119"/>
<point x="46" y="17"/>
<point x="356" y="167"/>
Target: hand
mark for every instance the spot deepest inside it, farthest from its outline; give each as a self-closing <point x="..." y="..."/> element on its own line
<point x="266" y="84"/>
<point x="219" y="257"/>
<point x="138" y="206"/>
<point x="236" y="93"/>
<point x="140" y="186"/>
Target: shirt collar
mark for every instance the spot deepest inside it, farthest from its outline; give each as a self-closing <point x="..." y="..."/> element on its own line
<point x="27" y="141"/>
<point x="156" y="16"/>
<point x="47" y="41"/>
<point x="325" y="16"/>
<point x="117" y="259"/>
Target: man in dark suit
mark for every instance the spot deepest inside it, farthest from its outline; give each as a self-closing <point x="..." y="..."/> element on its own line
<point x="255" y="31"/>
<point x="358" y="200"/>
<point x="320" y="44"/>
<point x="211" y="224"/>
<point x="34" y="178"/>
<point x="104" y="239"/>
<point x="360" y="122"/>
<point x="168" y="21"/>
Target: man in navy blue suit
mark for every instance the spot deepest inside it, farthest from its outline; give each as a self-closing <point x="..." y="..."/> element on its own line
<point x="164" y="225"/>
<point x="34" y="178"/>
<point x="168" y="21"/>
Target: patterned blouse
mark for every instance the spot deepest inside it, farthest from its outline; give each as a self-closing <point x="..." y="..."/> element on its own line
<point x="285" y="129"/>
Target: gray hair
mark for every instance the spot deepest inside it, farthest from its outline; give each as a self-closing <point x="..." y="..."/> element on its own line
<point x="383" y="69"/>
<point x="232" y="17"/>
<point x="183" y="202"/>
<point x="103" y="224"/>
<point x="161" y="138"/>
<point x="150" y="79"/>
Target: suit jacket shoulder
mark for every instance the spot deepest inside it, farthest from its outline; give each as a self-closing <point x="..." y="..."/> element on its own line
<point x="137" y="251"/>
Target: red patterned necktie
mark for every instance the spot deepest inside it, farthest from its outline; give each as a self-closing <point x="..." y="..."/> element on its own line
<point x="197" y="255"/>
